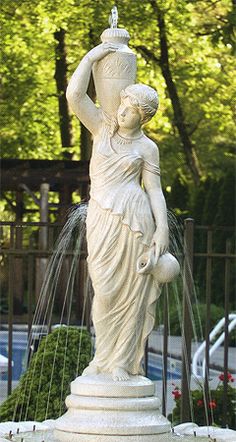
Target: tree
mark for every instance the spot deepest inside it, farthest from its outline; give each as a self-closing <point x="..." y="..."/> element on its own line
<point x="179" y="119"/>
<point x="61" y="82"/>
<point x="181" y="50"/>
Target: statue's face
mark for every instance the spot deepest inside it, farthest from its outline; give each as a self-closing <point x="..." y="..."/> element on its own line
<point x="128" y="116"/>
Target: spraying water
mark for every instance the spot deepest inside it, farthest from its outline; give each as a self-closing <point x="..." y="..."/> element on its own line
<point x="69" y="249"/>
<point x="71" y="243"/>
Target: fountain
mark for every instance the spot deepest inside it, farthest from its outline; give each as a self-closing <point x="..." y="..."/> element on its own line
<point x="128" y="258"/>
<point x="126" y="233"/>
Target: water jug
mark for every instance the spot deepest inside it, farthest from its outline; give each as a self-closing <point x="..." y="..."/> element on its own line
<point x="114" y="72"/>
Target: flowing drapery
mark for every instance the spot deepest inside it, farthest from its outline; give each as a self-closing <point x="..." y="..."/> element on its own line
<point x="120" y="227"/>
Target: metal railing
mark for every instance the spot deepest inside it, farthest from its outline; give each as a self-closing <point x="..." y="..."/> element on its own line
<point x="197" y="355"/>
<point x="21" y="254"/>
<point x="208" y="255"/>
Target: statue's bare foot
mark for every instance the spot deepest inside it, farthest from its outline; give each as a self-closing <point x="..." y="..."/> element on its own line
<point x="119" y="374"/>
<point x="91" y="370"/>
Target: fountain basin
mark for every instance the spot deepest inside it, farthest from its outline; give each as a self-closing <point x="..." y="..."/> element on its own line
<point x="45" y="431"/>
<point x="49" y="436"/>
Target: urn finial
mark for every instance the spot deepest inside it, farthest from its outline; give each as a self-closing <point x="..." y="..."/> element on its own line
<point x="113" y="18"/>
<point x="117" y="70"/>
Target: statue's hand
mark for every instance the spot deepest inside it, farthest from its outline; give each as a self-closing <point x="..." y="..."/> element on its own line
<point x="101" y="51"/>
<point x="160" y="242"/>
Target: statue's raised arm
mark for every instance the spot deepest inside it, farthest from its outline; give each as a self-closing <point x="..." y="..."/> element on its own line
<point x="79" y="101"/>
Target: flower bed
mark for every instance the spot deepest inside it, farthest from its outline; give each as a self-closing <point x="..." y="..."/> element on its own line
<point x="209" y="410"/>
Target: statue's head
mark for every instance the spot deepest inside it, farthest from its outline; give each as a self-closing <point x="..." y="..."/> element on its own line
<point x="144" y="98"/>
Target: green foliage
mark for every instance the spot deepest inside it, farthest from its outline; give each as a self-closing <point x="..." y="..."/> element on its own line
<point x="199" y="315"/>
<point x="225" y="214"/>
<point x="212" y="204"/>
<point x="198" y="198"/>
<point x="217" y="313"/>
<point x="178" y="198"/>
<point x="200" y="39"/>
<point x="209" y="411"/>
<point x="29" y="116"/>
<point x="42" y="389"/>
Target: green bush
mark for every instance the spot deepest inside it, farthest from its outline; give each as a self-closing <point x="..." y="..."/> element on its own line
<point x="213" y="204"/>
<point x="41" y="393"/>
<point x="209" y="411"/>
<point x="198" y="313"/>
<point x="199" y="310"/>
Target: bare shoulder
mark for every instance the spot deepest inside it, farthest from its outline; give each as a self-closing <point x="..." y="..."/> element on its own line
<point x="150" y="151"/>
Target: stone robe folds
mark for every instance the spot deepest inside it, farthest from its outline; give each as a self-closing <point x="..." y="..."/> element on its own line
<point x="120" y="227"/>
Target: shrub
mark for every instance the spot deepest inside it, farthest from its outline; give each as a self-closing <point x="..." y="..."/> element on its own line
<point x="199" y="310"/>
<point x="62" y="355"/>
<point x="199" y="315"/>
<point x="211" y="411"/>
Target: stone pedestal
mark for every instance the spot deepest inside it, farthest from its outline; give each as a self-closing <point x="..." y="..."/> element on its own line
<point x="101" y="410"/>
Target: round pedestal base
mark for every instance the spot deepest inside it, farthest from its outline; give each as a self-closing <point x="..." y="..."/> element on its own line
<point x="100" y="409"/>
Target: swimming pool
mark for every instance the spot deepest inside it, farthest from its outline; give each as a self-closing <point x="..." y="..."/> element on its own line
<point x="19" y="357"/>
<point x="155" y="367"/>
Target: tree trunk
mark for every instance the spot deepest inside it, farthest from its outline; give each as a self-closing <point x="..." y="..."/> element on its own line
<point x="61" y="83"/>
<point x="190" y="154"/>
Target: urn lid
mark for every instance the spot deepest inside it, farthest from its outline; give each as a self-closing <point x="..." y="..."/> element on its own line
<point x="115" y="35"/>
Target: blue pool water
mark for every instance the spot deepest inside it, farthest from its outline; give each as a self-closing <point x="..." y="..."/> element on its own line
<point x="19" y="346"/>
<point x="19" y="356"/>
<point x="156" y="374"/>
<point x="155" y="369"/>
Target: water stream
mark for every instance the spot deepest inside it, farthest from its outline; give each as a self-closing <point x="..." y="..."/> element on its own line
<point x="68" y="250"/>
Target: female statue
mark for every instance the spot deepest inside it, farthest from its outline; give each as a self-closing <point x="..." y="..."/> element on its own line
<point x="126" y="218"/>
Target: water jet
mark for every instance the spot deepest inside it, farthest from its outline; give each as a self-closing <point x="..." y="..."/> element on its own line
<point x="125" y="224"/>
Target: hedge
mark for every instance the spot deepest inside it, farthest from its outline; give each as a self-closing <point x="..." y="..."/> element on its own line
<point x="62" y="356"/>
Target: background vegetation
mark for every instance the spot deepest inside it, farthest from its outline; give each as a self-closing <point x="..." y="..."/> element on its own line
<point x="194" y="75"/>
<point x="185" y="49"/>
<point x="41" y="393"/>
<point x="208" y="412"/>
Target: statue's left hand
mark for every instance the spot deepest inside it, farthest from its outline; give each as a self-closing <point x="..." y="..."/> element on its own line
<point x="160" y="241"/>
<point x="101" y="51"/>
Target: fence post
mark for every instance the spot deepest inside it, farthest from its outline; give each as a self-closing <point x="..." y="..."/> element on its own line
<point x="10" y="311"/>
<point x="165" y="350"/>
<point x="30" y="288"/>
<point x="187" y="330"/>
<point x="226" y="342"/>
<point x="41" y="263"/>
<point x="18" y="260"/>
<point x="208" y="315"/>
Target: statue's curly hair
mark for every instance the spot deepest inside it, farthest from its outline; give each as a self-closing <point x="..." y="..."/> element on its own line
<point x="144" y="97"/>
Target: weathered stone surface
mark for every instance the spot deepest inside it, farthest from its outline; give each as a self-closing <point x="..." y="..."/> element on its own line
<point x="100" y="408"/>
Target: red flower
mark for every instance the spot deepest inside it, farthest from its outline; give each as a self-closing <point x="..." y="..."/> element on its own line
<point x="212" y="404"/>
<point x="200" y="403"/>
<point x="229" y="377"/>
<point x="176" y="393"/>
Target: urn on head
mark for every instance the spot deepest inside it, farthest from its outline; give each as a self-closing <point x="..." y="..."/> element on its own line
<point x="114" y="72"/>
